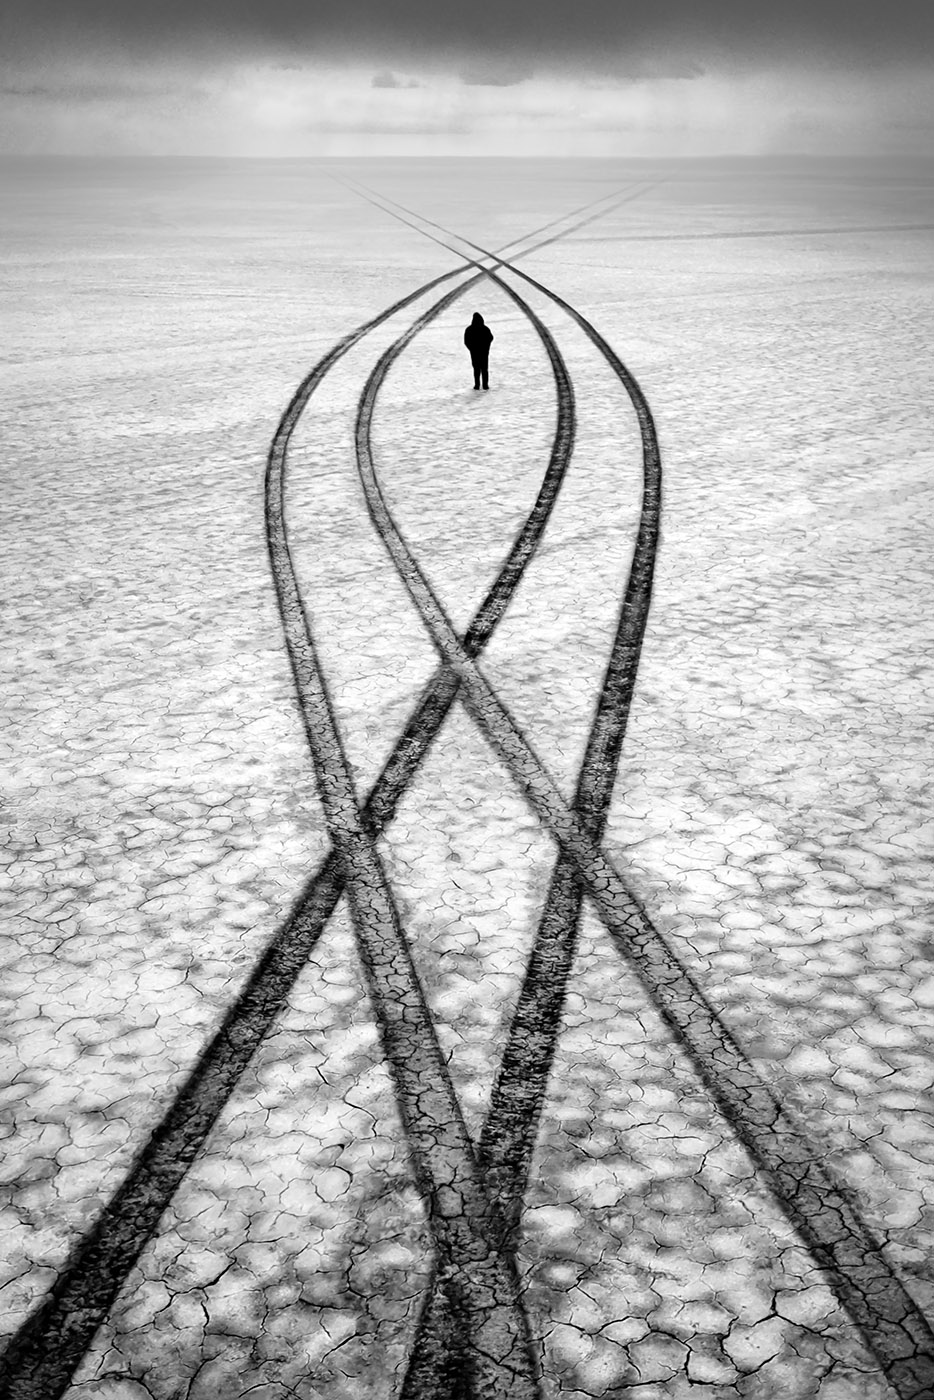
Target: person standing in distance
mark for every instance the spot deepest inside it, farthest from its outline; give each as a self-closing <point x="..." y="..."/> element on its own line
<point x="477" y="338"/>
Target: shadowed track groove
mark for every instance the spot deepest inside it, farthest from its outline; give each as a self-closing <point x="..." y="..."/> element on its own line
<point x="508" y="1135"/>
<point x="820" y="1206"/>
<point x="479" y="1276"/>
<point x="480" y="1279"/>
<point x="41" y="1357"/>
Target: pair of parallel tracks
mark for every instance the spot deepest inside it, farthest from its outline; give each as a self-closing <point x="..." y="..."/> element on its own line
<point x="473" y="1338"/>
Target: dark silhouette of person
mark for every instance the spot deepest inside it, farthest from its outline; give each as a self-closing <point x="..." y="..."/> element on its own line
<point x="477" y="338"/>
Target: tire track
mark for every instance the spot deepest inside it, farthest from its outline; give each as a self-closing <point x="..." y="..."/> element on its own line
<point x="509" y="1132"/>
<point x="754" y="233"/>
<point x="480" y="1278"/>
<point x="821" y="1207"/>
<point x="473" y="1326"/>
<point x="42" y="1355"/>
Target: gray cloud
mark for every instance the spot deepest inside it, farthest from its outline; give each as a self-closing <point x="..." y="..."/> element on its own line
<point x="385" y="78"/>
<point x="285" y="76"/>
<point x="602" y="32"/>
<point x="473" y="78"/>
<point x="103" y="90"/>
<point x="496" y="73"/>
<point x="659" y="66"/>
<point x="444" y="127"/>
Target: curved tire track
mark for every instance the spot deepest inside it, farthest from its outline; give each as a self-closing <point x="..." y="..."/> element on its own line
<point x="821" y="1207"/>
<point x="508" y="1135"/>
<point x="42" y="1355"/>
<point x="480" y="1283"/>
<point x="481" y="1280"/>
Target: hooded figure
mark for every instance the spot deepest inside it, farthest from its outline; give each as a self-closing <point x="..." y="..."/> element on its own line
<point x="477" y="338"/>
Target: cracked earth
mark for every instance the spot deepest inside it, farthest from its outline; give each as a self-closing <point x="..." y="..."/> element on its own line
<point x="771" y="812"/>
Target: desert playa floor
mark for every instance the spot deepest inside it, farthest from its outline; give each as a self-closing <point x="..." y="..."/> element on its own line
<point x="468" y="871"/>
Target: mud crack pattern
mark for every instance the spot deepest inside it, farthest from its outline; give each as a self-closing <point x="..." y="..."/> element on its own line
<point x="474" y="1336"/>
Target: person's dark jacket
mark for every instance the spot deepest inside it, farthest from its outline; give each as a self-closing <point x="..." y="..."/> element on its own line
<point x="478" y="338"/>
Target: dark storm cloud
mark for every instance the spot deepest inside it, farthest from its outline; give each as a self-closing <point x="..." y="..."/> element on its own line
<point x="862" y="31"/>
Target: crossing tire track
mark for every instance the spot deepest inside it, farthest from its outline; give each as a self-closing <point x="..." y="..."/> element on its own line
<point x="820" y="1206"/>
<point x="508" y="1135"/>
<point x="42" y="1355"/>
<point x="480" y="1280"/>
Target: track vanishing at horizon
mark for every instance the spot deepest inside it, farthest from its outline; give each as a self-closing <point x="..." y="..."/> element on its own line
<point x="473" y="1337"/>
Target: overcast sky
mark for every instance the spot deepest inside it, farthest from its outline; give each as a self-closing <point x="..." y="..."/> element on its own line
<point x="297" y="77"/>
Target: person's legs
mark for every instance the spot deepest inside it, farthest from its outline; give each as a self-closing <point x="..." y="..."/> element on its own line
<point x="476" y="371"/>
<point x="485" y="374"/>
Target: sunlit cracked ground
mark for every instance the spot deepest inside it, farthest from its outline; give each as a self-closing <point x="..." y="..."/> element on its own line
<point x="772" y="811"/>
